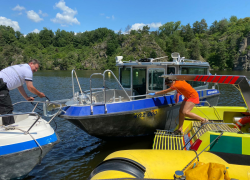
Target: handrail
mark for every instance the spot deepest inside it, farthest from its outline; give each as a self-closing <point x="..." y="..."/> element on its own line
<point x="104" y="88"/>
<point x="116" y="80"/>
<point x="73" y="86"/>
<point x="202" y="127"/>
<point x="44" y="102"/>
<point x="217" y="138"/>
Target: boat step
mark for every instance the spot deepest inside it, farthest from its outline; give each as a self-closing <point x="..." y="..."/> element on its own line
<point x="165" y="140"/>
<point x="212" y="127"/>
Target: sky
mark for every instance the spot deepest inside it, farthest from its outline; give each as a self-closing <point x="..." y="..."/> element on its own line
<point x="29" y="16"/>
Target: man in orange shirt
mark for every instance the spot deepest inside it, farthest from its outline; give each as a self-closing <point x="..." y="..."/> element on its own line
<point x="191" y="98"/>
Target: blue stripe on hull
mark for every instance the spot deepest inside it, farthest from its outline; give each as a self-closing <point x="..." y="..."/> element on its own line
<point x="13" y="148"/>
<point x="129" y="105"/>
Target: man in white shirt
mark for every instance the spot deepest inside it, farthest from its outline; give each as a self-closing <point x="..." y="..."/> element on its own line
<point x="14" y="77"/>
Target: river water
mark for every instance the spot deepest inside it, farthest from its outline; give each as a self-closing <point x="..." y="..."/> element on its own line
<point x="78" y="153"/>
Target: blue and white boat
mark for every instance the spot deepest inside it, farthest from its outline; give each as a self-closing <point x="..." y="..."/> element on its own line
<point x="24" y="143"/>
<point x="130" y="111"/>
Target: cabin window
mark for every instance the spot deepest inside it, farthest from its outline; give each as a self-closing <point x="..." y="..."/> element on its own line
<point x="139" y="81"/>
<point x="170" y="70"/>
<point x="154" y="81"/>
<point x="194" y="70"/>
<point x="125" y="77"/>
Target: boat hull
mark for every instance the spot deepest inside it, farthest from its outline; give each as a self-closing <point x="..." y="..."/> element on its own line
<point x="158" y="164"/>
<point x="134" y="123"/>
<point x="19" y="164"/>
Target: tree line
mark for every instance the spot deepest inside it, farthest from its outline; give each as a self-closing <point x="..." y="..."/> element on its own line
<point x="217" y="44"/>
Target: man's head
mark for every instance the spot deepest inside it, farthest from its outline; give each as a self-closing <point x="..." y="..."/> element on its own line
<point x="168" y="81"/>
<point x="34" y="65"/>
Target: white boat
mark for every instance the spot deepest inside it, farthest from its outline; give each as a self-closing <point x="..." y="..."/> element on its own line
<point x="129" y="111"/>
<point x="24" y="143"/>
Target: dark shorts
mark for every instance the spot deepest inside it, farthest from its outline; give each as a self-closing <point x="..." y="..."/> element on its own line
<point x="5" y="103"/>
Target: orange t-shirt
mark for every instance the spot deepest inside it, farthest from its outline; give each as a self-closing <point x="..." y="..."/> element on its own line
<point x="185" y="89"/>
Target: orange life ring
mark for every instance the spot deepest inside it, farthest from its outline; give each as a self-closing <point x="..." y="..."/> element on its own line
<point x="243" y="121"/>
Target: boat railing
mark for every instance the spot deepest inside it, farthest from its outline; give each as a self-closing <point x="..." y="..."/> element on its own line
<point x="202" y="126"/>
<point x="103" y="89"/>
<point x="197" y="155"/>
<point x="73" y="85"/>
<point x="46" y="105"/>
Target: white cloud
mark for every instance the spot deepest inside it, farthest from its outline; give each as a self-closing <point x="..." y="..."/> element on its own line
<point x="138" y="26"/>
<point x="155" y="25"/>
<point x="67" y="17"/>
<point x="8" y="22"/>
<point x="35" y="31"/>
<point x="20" y="13"/>
<point x="112" y="17"/>
<point x="18" y="8"/>
<point x="102" y="14"/>
<point x="34" y="16"/>
<point x="43" y="14"/>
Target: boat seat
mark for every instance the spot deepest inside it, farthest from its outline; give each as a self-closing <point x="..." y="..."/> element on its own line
<point x="165" y="140"/>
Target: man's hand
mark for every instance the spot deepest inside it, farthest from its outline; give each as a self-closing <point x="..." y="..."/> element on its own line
<point x="41" y="95"/>
<point x="30" y="99"/>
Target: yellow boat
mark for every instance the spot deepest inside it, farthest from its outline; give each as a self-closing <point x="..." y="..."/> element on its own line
<point x="182" y="157"/>
<point x="163" y="164"/>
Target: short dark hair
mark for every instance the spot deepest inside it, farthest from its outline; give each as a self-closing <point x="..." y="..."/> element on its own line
<point x="34" y="61"/>
<point x="168" y="81"/>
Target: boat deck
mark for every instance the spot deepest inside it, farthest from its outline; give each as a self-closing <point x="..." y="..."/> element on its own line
<point x="165" y="140"/>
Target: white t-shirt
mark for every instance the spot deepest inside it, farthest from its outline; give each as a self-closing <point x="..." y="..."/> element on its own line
<point x="16" y="75"/>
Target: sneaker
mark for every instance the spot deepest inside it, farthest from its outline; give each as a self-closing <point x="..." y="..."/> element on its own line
<point x="177" y="132"/>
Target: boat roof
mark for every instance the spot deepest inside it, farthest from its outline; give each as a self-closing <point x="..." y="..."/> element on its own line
<point x="161" y="61"/>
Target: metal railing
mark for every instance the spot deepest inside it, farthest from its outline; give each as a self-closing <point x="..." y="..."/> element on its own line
<point x="201" y="127"/>
<point x="103" y="89"/>
<point x="91" y="89"/>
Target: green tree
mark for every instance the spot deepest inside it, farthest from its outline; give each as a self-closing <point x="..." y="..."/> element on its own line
<point x="187" y="33"/>
<point x="205" y="47"/>
<point x="169" y="28"/>
<point x="46" y="37"/>
<point x="194" y="49"/>
<point x="221" y="55"/>
<point x="145" y="29"/>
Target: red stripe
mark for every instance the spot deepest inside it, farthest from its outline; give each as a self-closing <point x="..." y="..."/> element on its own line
<point x="228" y="79"/>
<point x="205" y="78"/>
<point x="200" y="78"/>
<point x="216" y="79"/>
<point x="222" y="79"/>
<point x="196" y="77"/>
<point x="210" y="78"/>
<point x="234" y="79"/>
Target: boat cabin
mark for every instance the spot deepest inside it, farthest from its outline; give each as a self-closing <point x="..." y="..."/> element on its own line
<point x="143" y="76"/>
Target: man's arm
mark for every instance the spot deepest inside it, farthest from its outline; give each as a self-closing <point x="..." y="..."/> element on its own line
<point x="32" y="89"/>
<point x="23" y="93"/>
<point x="164" y="91"/>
